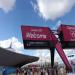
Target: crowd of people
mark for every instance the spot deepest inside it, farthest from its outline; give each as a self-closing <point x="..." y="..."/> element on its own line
<point x="42" y="71"/>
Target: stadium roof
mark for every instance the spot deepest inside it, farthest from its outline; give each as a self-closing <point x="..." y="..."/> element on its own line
<point x="9" y="58"/>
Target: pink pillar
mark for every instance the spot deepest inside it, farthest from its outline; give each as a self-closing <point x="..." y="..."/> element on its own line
<point x="62" y="55"/>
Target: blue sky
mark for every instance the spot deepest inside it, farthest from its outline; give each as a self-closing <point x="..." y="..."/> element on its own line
<point x="14" y="13"/>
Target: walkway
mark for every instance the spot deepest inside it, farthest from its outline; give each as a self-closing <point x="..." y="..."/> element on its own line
<point x="71" y="74"/>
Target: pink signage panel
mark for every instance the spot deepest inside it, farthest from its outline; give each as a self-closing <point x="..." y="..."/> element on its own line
<point x="68" y="32"/>
<point x="35" y="33"/>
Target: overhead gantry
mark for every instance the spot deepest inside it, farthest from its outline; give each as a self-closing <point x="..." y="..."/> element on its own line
<point x="43" y="38"/>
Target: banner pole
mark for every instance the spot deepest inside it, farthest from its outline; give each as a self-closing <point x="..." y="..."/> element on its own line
<point x="52" y="51"/>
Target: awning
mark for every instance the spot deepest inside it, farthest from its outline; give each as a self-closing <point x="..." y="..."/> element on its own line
<point x="9" y="58"/>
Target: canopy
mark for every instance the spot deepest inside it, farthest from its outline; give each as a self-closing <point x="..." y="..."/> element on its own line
<point x="9" y="58"/>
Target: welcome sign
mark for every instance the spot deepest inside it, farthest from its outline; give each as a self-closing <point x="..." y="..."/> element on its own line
<point x="35" y="33"/>
<point x="35" y="37"/>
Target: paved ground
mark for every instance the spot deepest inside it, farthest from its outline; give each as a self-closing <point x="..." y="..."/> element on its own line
<point x="71" y="74"/>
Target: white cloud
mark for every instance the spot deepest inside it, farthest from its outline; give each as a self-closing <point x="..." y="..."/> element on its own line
<point x="7" y="5"/>
<point x="52" y="9"/>
<point x="16" y="45"/>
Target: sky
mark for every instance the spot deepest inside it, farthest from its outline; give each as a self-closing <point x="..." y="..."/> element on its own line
<point x="45" y="13"/>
